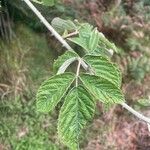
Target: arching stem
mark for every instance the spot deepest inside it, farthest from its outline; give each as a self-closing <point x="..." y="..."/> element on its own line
<point x="81" y="62"/>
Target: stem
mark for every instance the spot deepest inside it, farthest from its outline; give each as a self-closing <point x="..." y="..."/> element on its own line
<point x="52" y="30"/>
<point x="78" y="70"/>
<point x="71" y="34"/>
<point x="81" y="62"/>
<point x="48" y="26"/>
<point x="137" y="114"/>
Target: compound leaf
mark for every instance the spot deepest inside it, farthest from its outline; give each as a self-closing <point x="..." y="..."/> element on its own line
<point x="102" y="67"/>
<point x="52" y="90"/>
<point x="102" y="89"/>
<point x="77" y="109"/>
<point x="61" y="59"/>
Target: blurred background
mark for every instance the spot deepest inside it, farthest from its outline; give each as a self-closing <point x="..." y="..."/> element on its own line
<point x="27" y="52"/>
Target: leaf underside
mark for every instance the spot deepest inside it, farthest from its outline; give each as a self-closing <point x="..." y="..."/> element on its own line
<point x="77" y="109"/>
<point x="102" y="89"/>
<point x="61" y="59"/>
<point x="104" y="68"/>
<point x="52" y="90"/>
<point x="62" y="25"/>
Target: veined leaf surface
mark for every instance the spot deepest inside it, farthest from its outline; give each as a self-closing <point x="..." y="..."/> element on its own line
<point x="52" y="90"/>
<point x="94" y="39"/>
<point x="102" y="89"/>
<point x="62" y="25"/>
<point x="77" y="109"/>
<point x="102" y="67"/>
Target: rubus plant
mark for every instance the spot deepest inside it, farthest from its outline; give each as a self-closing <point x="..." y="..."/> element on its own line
<point x="95" y="78"/>
<point x="80" y="89"/>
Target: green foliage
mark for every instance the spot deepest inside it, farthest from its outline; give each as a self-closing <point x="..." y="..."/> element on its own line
<point x="102" y="89"/>
<point x="144" y="102"/>
<point x="21" y="126"/>
<point x="52" y="90"/>
<point x="62" y="25"/>
<point x="138" y="67"/>
<point x="87" y="37"/>
<point x="63" y="58"/>
<point x="102" y="67"/>
<point x="77" y="109"/>
<point x="102" y="83"/>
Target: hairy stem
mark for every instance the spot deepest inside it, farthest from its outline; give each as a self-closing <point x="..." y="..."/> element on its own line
<point x="137" y="114"/>
<point x="71" y="34"/>
<point x="48" y="26"/>
<point x="67" y="46"/>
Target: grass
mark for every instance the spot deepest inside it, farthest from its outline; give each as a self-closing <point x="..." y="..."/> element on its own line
<point x="25" y="63"/>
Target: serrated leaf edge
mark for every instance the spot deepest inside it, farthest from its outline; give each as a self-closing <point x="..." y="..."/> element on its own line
<point x="62" y="94"/>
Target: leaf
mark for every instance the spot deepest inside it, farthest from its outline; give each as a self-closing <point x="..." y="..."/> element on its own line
<point x="102" y="50"/>
<point x="83" y="42"/>
<point x="61" y="59"/>
<point x="62" y="25"/>
<point x="104" y="68"/>
<point x="48" y="2"/>
<point x="85" y="31"/>
<point x="102" y="89"/>
<point x="52" y="90"/>
<point x="94" y="39"/>
<point x="77" y="109"/>
<point x="104" y="41"/>
<point x="65" y="65"/>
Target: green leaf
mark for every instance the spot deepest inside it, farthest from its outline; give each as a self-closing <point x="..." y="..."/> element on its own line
<point x="104" y="68"/>
<point x="52" y="90"/>
<point x="94" y="39"/>
<point x="62" y="25"/>
<point x="77" y="109"/>
<point x="102" y="89"/>
<point x="48" y="2"/>
<point x="83" y="42"/>
<point x="85" y="31"/>
<point x="61" y="59"/>
<point x="104" y="41"/>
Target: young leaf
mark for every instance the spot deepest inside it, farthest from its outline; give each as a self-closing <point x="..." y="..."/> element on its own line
<point x="52" y="90"/>
<point x="94" y="39"/>
<point x="77" y="109"/>
<point x="102" y="89"/>
<point x="104" y="68"/>
<point x="48" y="2"/>
<point x="85" y="31"/>
<point x="62" y="25"/>
<point x="83" y="42"/>
<point x="104" y="41"/>
<point x="61" y="59"/>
